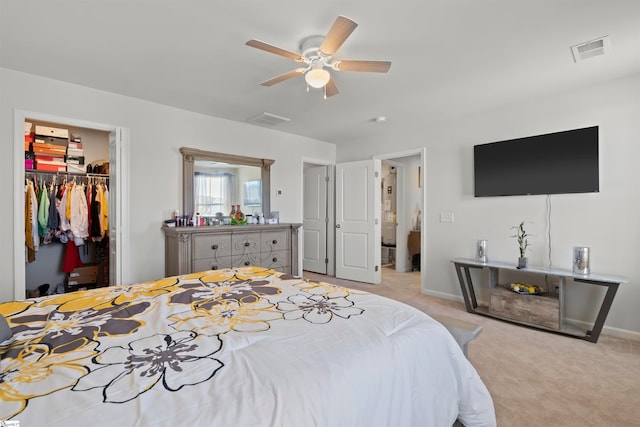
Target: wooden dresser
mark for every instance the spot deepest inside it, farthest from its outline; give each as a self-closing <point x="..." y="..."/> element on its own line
<point x="192" y="249"/>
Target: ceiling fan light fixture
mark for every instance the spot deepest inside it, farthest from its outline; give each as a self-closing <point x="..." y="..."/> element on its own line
<point x="317" y="77"/>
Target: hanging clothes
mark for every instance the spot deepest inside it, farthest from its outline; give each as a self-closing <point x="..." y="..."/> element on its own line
<point x="53" y="221"/>
<point x="104" y="210"/>
<point x="94" y="214"/>
<point x="71" y="258"/>
<point x="28" y="222"/>
<point x="79" y="215"/>
<point x="61" y="211"/>
<point x="62" y="207"/>
<point x="43" y="210"/>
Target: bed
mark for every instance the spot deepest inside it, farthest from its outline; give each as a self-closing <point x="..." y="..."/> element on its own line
<point x="234" y="347"/>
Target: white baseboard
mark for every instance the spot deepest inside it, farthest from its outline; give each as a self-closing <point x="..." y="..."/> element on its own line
<point x="606" y="330"/>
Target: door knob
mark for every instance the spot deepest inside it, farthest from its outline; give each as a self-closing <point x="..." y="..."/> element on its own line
<point x="337" y="225"/>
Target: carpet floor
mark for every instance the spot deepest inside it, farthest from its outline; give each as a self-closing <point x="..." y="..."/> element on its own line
<point x="536" y="378"/>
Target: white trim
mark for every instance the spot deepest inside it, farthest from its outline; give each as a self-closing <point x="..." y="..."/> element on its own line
<point x="19" y="117"/>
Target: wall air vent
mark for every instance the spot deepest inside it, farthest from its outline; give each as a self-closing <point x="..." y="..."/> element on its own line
<point x="590" y="49"/>
<point x="268" y="119"/>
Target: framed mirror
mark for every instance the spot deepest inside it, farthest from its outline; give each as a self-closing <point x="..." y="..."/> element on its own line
<point x="212" y="182"/>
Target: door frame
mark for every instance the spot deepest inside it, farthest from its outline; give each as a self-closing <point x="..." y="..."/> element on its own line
<point x="120" y="169"/>
<point x="422" y="152"/>
<point x="331" y="213"/>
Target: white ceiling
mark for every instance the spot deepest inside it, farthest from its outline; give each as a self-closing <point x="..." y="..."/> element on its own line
<point x="450" y="57"/>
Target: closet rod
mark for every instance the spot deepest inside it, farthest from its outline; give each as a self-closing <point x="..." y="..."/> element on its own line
<point x="78" y="174"/>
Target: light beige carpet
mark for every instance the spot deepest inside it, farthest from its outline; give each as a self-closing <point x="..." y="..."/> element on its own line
<point x="536" y="378"/>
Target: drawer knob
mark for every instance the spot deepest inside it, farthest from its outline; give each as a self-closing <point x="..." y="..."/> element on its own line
<point x="247" y="263"/>
<point x="275" y="242"/>
<point x="214" y="247"/>
<point x="246" y="243"/>
<point x="275" y="259"/>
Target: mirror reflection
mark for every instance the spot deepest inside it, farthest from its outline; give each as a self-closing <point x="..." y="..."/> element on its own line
<point x="218" y="187"/>
<point x="216" y="183"/>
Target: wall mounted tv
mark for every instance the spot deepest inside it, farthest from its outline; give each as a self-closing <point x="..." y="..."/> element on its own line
<point x="554" y="163"/>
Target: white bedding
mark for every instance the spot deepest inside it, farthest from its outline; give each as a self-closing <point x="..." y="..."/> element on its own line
<point x="238" y="347"/>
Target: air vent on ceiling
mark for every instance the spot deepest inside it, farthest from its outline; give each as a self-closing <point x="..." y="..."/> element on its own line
<point x="268" y="119"/>
<point x="590" y="49"/>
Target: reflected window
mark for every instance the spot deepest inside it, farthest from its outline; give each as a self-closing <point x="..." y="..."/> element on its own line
<point x="253" y="193"/>
<point x="213" y="192"/>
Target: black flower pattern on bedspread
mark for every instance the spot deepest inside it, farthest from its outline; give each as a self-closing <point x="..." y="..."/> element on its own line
<point x="67" y="331"/>
<point x="173" y="360"/>
<point x="317" y="308"/>
<point x="208" y="294"/>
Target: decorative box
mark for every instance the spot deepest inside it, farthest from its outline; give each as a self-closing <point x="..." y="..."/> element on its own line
<point x="47" y="131"/>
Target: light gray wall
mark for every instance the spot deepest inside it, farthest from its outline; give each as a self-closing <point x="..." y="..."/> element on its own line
<point x="156" y="134"/>
<point x="608" y="221"/>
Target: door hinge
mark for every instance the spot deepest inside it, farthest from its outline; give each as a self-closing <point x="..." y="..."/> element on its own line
<point x="376" y="268"/>
<point x="376" y="221"/>
<point x="376" y="174"/>
<point x="326" y="220"/>
<point x="326" y="260"/>
<point x="326" y="179"/>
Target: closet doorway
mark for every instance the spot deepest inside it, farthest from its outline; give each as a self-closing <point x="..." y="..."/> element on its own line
<point x="118" y="233"/>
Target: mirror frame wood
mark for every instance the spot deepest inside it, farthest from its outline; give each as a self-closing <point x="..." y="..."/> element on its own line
<point x="190" y="155"/>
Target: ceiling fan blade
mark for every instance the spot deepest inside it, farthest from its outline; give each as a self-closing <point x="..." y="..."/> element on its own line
<point x="283" y="77"/>
<point x="330" y="88"/>
<point x="370" y="66"/>
<point x="341" y="29"/>
<point x="272" y="49"/>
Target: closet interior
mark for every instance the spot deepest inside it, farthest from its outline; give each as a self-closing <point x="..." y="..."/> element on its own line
<point x="66" y="208"/>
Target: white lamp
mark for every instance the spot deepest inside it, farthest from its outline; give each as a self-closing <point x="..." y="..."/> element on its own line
<point x="317" y="76"/>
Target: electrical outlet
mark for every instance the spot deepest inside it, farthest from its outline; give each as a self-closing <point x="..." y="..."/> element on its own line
<point x="446" y="217"/>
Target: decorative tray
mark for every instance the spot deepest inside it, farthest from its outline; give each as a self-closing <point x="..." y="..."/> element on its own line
<point x="525" y="288"/>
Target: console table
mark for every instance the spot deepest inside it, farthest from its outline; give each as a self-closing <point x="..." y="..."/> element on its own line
<point x="545" y="311"/>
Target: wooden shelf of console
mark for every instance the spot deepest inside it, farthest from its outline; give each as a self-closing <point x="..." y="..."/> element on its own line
<point x="545" y="311"/>
<point x="194" y="249"/>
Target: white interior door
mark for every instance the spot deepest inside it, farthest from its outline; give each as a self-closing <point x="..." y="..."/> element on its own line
<point x="316" y="180"/>
<point x="358" y="229"/>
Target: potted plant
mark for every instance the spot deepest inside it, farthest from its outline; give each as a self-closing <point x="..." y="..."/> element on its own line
<point x="523" y="244"/>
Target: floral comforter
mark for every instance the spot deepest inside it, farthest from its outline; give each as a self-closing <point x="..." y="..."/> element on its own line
<point x="234" y="347"/>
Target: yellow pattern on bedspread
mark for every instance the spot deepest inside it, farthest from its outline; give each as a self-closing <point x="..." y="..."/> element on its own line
<point x="112" y="346"/>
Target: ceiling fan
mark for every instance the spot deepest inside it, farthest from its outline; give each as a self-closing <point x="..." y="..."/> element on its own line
<point x="316" y="52"/>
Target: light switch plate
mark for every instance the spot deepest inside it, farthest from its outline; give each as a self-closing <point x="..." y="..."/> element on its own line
<point x="446" y="217"/>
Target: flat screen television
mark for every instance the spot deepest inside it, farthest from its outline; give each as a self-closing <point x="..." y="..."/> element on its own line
<point x="554" y="163"/>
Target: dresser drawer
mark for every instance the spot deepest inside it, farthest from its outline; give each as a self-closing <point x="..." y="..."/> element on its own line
<point x="245" y="243"/>
<point x="211" y="263"/>
<point x="274" y="241"/>
<point x="211" y="245"/>
<point x="275" y="259"/>
<point x="241" y="260"/>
